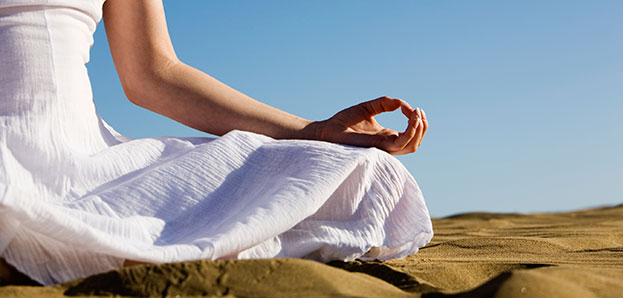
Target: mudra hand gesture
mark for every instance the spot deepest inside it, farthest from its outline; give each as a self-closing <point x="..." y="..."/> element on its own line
<point x="154" y="78"/>
<point x="356" y="126"/>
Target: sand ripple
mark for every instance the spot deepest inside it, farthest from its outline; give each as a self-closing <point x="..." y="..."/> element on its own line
<point x="574" y="254"/>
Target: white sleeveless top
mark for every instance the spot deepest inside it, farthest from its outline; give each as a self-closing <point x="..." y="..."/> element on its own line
<point x="76" y="198"/>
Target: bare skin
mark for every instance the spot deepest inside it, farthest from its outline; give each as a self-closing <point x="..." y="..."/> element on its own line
<point x="154" y="78"/>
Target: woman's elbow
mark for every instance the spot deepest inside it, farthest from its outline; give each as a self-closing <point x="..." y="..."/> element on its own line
<point x="145" y="86"/>
<point x="136" y="91"/>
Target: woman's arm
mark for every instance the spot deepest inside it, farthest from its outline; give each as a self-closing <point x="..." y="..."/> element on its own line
<point x="154" y="78"/>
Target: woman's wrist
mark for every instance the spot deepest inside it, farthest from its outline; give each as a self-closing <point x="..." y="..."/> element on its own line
<point x="312" y="130"/>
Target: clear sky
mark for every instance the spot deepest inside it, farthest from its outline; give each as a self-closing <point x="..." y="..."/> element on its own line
<point x="524" y="98"/>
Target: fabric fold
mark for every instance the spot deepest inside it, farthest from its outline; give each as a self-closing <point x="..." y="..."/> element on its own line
<point x="78" y="198"/>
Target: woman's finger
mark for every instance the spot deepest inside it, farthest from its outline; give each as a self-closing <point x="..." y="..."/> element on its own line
<point x="413" y="144"/>
<point x="406" y="109"/>
<point x="425" y="121"/>
<point x="380" y="105"/>
<point x="404" y="138"/>
<point x="365" y="110"/>
<point x="418" y="136"/>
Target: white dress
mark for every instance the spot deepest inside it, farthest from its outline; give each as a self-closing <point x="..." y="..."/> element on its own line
<point x="77" y="198"/>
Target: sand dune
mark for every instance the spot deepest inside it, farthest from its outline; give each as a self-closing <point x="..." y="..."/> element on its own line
<point x="575" y="254"/>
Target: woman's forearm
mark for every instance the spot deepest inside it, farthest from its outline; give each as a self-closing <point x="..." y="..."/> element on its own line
<point x="153" y="77"/>
<point x="200" y="101"/>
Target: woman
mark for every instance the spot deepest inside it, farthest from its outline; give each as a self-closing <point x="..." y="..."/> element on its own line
<point x="77" y="198"/>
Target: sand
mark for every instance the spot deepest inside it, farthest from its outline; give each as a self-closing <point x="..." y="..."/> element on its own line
<point x="574" y="254"/>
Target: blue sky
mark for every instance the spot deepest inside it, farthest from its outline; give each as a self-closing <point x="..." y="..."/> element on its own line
<point x="524" y="98"/>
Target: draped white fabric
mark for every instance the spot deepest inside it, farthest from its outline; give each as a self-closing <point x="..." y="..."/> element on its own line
<point x="76" y="198"/>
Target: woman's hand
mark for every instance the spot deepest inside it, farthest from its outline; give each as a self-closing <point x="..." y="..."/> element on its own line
<point x="356" y="126"/>
<point x="153" y="77"/>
